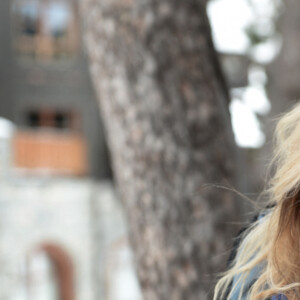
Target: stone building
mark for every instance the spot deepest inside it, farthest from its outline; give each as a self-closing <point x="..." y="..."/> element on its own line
<point x="45" y="87"/>
<point x="63" y="235"/>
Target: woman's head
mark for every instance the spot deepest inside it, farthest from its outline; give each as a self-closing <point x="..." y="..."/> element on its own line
<point x="273" y="243"/>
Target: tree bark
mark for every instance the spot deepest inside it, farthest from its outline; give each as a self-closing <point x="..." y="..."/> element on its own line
<point x="284" y="71"/>
<point x="164" y="102"/>
<point x="283" y="78"/>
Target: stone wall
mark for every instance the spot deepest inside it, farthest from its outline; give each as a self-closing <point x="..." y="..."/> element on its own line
<point x="82" y="218"/>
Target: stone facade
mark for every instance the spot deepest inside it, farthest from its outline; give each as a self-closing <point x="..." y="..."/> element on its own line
<point x="36" y="213"/>
<point x="80" y="218"/>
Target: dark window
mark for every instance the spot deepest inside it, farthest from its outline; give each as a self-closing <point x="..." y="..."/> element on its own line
<point x="62" y="120"/>
<point x="59" y="120"/>
<point x="33" y="119"/>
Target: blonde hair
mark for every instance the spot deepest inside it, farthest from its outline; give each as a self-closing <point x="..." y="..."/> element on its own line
<point x="273" y="243"/>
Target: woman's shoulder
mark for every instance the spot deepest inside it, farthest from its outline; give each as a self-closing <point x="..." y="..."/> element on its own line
<point x="258" y="216"/>
<point x="254" y="273"/>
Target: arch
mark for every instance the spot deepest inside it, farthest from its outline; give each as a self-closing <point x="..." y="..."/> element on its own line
<point x="63" y="268"/>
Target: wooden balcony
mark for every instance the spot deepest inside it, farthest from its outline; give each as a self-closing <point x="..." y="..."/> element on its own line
<point x="50" y="152"/>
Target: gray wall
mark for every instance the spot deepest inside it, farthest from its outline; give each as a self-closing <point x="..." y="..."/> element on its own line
<point x="6" y="107"/>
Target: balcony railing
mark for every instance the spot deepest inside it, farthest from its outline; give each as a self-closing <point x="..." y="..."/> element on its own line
<point x="56" y="153"/>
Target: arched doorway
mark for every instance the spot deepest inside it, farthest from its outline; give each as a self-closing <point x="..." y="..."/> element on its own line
<point x="50" y="274"/>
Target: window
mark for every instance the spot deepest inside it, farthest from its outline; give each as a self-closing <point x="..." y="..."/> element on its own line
<point x="45" y="29"/>
<point x="59" y="120"/>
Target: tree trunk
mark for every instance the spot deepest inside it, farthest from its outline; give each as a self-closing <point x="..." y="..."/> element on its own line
<point x="164" y="103"/>
<point x="283" y="77"/>
<point x="284" y="72"/>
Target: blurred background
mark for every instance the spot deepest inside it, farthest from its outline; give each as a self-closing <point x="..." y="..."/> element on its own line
<point x="62" y="230"/>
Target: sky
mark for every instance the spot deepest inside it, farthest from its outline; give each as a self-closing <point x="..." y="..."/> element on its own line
<point x="229" y="20"/>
